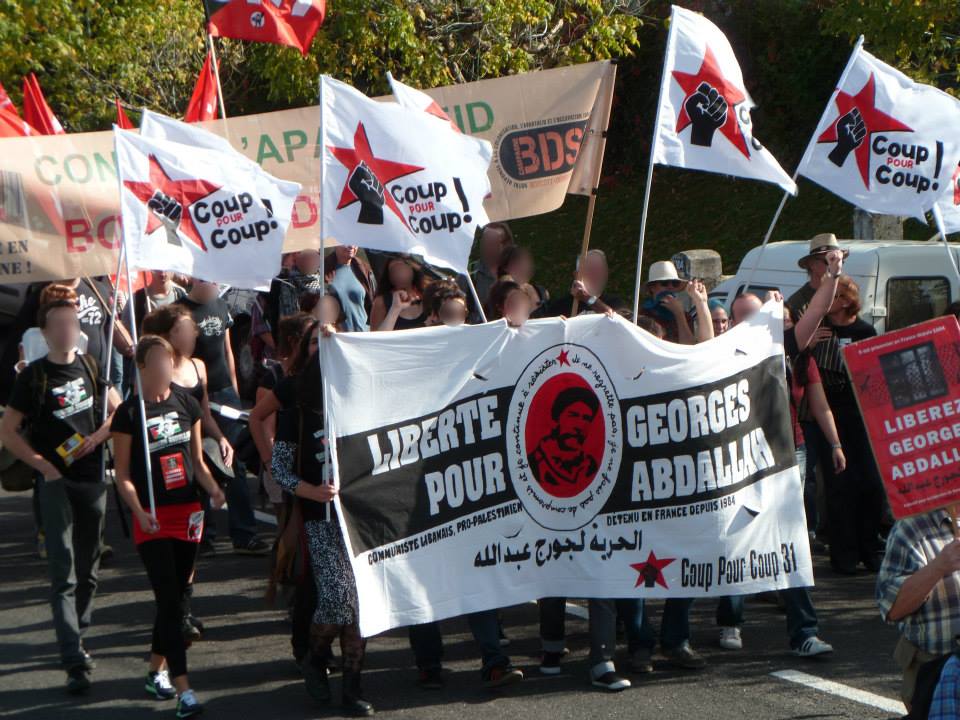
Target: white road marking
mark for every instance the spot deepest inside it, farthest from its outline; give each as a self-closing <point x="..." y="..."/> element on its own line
<point x="840" y="690"/>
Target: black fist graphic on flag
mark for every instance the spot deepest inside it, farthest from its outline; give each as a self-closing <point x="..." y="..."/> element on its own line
<point x="169" y="211"/>
<point x="707" y="110"/>
<point x="851" y="131"/>
<point x="369" y="191"/>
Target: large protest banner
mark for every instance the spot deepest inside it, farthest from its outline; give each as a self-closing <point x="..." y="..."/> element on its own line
<point x="908" y="386"/>
<point x="59" y="200"/>
<point x="484" y="466"/>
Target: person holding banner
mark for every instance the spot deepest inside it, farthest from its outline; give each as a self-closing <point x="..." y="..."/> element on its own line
<point x="59" y="398"/>
<point x="299" y="467"/>
<point x="167" y="531"/>
<point x="398" y="305"/>
<point x="588" y="288"/>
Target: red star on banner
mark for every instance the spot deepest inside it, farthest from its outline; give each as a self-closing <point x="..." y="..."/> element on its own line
<point x="874" y="120"/>
<point x="710" y="73"/>
<point x="653" y="564"/>
<point x="562" y="358"/>
<point x="186" y="192"/>
<point x="385" y="170"/>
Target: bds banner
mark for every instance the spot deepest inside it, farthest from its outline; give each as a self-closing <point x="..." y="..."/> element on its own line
<point x="486" y="466"/>
<point x="907" y="384"/>
<point x="59" y="200"/>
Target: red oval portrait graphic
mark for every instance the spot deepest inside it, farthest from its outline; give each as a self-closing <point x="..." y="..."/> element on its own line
<point x="564" y="435"/>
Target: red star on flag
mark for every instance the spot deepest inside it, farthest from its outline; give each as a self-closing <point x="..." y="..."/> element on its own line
<point x="874" y="120"/>
<point x="652" y="565"/>
<point x="562" y="358"/>
<point x="710" y="73"/>
<point x="385" y="170"/>
<point x="186" y="192"/>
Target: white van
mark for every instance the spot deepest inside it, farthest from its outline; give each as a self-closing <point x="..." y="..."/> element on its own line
<point x="901" y="282"/>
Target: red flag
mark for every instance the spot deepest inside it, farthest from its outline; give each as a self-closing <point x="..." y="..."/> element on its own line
<point x="5" y="102"/>
<point x="122" y="120"/>
<point x="12" y="126"/>
<point x="203" y="102"/>
<point x="285" y="22"/>
<point x="36" y="111"/>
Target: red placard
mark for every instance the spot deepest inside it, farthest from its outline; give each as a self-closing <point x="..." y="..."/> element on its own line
<point x="908" y="385"/>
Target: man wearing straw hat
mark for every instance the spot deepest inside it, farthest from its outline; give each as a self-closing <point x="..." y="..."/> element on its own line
<point x="815" y="263"/>
<point x="663" y="304"/>
<point x="918" y="588"/>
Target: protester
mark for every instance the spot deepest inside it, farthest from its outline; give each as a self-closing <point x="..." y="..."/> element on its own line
<point x="326" y="309"/>
<point x="589" y="288"/>
<point x="59" y="397"/>
<point x="517" y="264"/>
<point x="299" y="466"/>
<point x="214" y="348"/>
<point x="166" y="537"/>
<point x="159" y="292"/>
<point x="718" y="316"/>
<point x="665" y="306"/>
<point x="918" y="588"/>
<point x="494" y="239"/>
<point x="445" y="304"/>
<point x="293" y="283"/>
<point x="262" y="340"/>
<point x="398" y="305"/>
<point x="509" y="301"/>
<point x="351" y="280"/>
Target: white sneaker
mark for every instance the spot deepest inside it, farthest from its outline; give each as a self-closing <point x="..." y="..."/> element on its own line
<point x="730" y="638"/>
<point x="812" y="647"/>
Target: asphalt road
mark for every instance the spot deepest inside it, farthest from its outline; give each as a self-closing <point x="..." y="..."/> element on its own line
<point x="243" y="669"/>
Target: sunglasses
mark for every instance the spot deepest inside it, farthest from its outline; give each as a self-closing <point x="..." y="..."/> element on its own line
<point x="672" y="284"/>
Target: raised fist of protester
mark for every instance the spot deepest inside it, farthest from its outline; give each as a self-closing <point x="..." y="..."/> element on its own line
<point x="579" y="291"/>
<point x="402" y="299"/>
<point x="834" y="260"/>
<point x="851" y="131"/>
<point x="948" y="559"/>
<point x="774" y="295"/>
<point x="369" y="191"/>
<point x="707" y="111"/>
<point x="697" y="291"/>
<point x="169" y="211"/>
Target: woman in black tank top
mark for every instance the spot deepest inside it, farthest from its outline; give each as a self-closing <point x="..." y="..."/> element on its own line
<point x="398" y="305"/>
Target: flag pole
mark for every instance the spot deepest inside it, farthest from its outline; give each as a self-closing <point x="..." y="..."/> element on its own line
<point x="653" y="153"/>
<point x="323" y="289"/>
<point x="476" y="297"/>
<point x="216" y="73"/>
<point x="125" y="254"/>
<point x="584" y="245"/>
<point x="796" y="174"/>
<point x="938" y="219"/>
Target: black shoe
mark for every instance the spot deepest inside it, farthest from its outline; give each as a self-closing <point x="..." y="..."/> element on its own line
<point x="89" y="664"/>
<point x="872" y="563"/>
<point x="255" y="546"/>
<point x="611" y="682"/>
<point x="844" y="568"/>
<point x="501" y="675"/>
<point x="353" y="703"/>
<point x="550" y="663"/>
<point x="106" y="553"/>
<point x="431" y="679"/>
<point x="504" y="640"/>
<point x="207" y="549"/>
<point x="78" y="680"/>
<point x="315" y="678"/>
<point x="195" y="622"/>
<point x="190" y="631"/>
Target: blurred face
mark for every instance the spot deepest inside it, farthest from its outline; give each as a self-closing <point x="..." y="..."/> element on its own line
<point x="401" y="275"/>
<point x="745" y="307"/>
<point x="787" y="320"/>
<point x="720" y="320"/>
<point x="308" y="261"/>
<point x="203" y="291"/>
<point x="517" y="308"/>
<point x="491" y="244"/>
<point x="62" y="331"/>
<point x="453" y="312"/>
<point x="183" y="336"/>
<point x="521" y="268"/>
<point x="816" y="267"/>
<point x="157" y="369"/>
<point x="327" y="311"/>
<point x="345" y="253"/>
<point x="595" y="273"/>
<point x="160" y="278"/>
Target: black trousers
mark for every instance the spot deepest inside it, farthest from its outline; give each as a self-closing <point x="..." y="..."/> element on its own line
<point x="169" y="564"/>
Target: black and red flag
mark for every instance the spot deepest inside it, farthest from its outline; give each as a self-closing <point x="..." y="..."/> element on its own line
<point x="285" y="22"/>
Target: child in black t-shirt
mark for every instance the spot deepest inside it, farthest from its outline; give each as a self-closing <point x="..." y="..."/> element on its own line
<point x="166" y="505"/>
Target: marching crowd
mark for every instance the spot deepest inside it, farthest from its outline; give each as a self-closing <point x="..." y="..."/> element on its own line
<point x="75" y="388"/>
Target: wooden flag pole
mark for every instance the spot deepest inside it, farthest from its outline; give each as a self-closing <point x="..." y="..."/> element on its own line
<point x="216" y="73"/>
<point x="584" y="246"/>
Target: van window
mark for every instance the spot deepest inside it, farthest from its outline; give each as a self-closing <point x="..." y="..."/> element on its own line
<point x="914" y="299"/>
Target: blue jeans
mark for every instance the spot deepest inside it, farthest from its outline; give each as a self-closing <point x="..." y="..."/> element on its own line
<point x="630" y="612"/>
<point x="427" y="642"/>
<point x="242" y="523"/>
<point x="674" y="627"/>
<point x="603" y="630"/>
<point x="816" y="451"/>
<point x="801" y="615"/>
